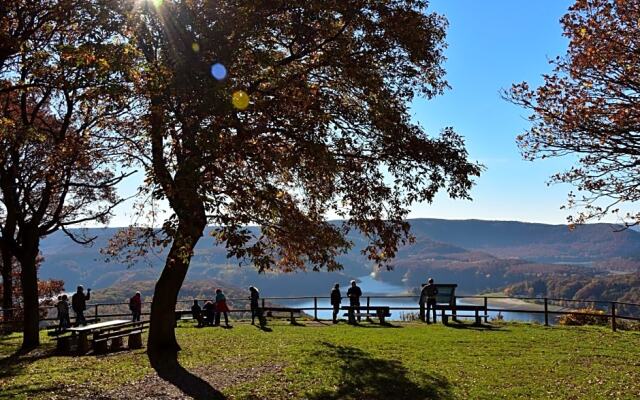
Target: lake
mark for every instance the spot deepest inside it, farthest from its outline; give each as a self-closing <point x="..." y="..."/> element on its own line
<point x="378" y="293"/>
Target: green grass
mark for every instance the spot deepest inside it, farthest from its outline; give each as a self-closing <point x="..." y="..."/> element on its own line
<point x="412" y="361"/>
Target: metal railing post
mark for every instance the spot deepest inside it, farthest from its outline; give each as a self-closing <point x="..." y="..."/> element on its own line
<point x="315" y="308"/>
<point x="546" y="311"/>
<point x="613" y="316"/>
<point x="486" y="306"/>
<point x="96" y="312"/>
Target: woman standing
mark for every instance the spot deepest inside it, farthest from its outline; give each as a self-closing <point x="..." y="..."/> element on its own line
<point x="221" y="307"/>
<point x="255" y="306"/>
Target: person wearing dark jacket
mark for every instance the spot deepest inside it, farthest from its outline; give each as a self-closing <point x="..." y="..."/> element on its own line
<point x="255" y="306"/>
<point x="336" y="299"/>
<point x="209" y="312"/>
<point x="135" y="305"/>
<point x="428" y="296"/>
<point x="196" y="311"/>
<point x="79" y="304"/>
<point x="354" y="294"/>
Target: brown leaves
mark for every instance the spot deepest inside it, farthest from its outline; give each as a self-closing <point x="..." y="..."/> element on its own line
<point x="590" y="107"/>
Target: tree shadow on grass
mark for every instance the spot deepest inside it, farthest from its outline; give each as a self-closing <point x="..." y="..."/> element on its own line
<point x="168" y="368"/>
<point x="375" y="325"/>
<point x="473" y="327"/>
<point x="363" y="376"/>
<point x="15" y="363"/>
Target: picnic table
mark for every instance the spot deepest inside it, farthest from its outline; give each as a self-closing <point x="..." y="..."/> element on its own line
<point x="82" y="333"/>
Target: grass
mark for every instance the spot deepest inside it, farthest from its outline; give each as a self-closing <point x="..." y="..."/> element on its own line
<point x="409" y="361"/>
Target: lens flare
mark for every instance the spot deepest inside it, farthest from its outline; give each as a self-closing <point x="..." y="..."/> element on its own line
<point x="157" y="3"/>
<point x="240" y="100"/>
<point x="195" y="47"/>
<point x="218" y="71"/>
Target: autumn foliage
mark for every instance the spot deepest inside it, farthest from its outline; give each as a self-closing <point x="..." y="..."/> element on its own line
<point x="588" y="108"/>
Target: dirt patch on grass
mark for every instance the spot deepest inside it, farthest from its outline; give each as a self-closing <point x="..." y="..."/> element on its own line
<point x="154" y="387"/>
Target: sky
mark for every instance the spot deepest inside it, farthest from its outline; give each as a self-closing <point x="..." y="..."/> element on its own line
<point x="491" y="45"/>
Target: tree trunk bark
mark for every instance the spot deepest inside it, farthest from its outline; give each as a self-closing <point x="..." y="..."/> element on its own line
<point x="31" y="309"/>
<point x="7" y="284"/>
<point x="162" y="343"/>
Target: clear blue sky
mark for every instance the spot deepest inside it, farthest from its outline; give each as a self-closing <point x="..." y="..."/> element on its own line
<point x="492" y="44"/>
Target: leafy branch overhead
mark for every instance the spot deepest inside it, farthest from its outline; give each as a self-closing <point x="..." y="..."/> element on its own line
<point x="282" y="113"/>
<point x="589" y="108"/>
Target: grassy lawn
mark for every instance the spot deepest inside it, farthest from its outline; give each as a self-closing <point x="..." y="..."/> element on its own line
<point x="409" y="361"/>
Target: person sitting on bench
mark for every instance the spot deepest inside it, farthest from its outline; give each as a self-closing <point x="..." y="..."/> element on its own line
<point x="354" y="294"/>
<point x="209" y="311"/>
<point x="428" y="294"/>
<point x="196" y="311"/>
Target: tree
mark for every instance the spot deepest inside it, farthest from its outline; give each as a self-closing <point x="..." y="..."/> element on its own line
<point x="589" y="108"/>
<point x="61" y="90"/>
<point x="279" y="114"/>
<point x="48" y="290"/>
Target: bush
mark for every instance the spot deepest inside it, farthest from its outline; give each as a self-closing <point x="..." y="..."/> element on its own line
<point x="578" y="319"/>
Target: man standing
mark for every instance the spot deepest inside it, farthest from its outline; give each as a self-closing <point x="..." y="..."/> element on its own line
<point x="336" y="299"/>
<point x="354" y="294"/>
<point x="135" y="305"/>
<point x="79" y="304"/>
<point x="428" y="295"/>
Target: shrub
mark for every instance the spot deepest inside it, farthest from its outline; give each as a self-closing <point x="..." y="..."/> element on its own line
<point x="578" y="317"/>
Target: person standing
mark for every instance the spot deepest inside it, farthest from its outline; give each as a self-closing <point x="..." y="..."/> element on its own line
<point x="336" y="299"/>
<point x="135" y="305"/>
<point x="354" y="294"/>
<point x="79" y="304"/>
<point x="428" y="295"/>
<point x="255" y="306"/>
<point x="63" y="313"/>
<point x="221" y="307"/>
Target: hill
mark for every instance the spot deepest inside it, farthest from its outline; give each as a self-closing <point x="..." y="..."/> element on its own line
<point x="479" y="255"/>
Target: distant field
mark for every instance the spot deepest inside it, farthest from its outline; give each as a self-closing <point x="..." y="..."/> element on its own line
<point x="408" y="361"/>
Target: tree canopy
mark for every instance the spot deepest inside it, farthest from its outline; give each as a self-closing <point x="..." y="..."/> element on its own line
<point x="62" y="88"/>
<point x="589" y="108"/>
<point x="281" y="114"/>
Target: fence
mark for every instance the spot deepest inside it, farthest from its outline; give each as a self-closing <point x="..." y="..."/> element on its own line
<point x="545" y="307"/>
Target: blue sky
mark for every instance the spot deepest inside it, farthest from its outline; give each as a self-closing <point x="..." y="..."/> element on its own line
<point x="491" y="44"/>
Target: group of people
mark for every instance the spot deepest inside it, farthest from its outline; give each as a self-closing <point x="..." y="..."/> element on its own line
<point x="427" y="302"/>
<point x="210" y="312"/>
<point x="78" y="305"/>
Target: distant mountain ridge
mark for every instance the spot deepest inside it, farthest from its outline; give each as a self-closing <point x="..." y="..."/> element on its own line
<point x="478" y="255"/>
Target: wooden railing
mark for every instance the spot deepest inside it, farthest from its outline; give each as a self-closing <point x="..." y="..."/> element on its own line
<point x="612" y="310"/>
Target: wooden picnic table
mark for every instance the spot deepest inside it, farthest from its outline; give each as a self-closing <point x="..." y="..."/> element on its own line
<point x="83" y="332"/>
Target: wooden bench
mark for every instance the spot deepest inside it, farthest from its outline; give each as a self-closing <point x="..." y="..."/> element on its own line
<point x="380" y="312"/>
<point x="446" y="301"/>
<point x="479" y="312"/>
<point x="132" y="331"/>
<point x="293" y="312"/>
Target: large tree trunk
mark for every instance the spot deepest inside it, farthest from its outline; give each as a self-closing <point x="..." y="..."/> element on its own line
<point x="7" y="284"/>
<point x="162" y="343"/>
<point x="29" y="281"/>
